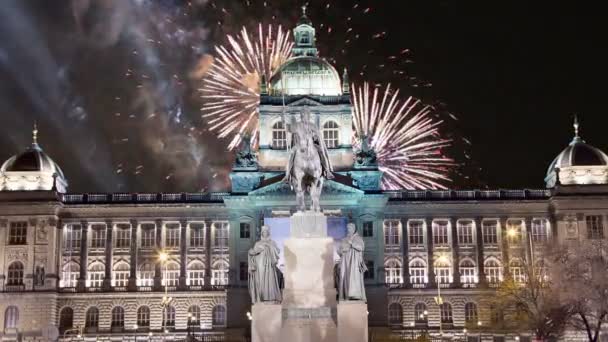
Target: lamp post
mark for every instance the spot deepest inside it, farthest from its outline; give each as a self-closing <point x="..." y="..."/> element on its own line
<point x="438" y="300"/>
<point x="163" y="257"/>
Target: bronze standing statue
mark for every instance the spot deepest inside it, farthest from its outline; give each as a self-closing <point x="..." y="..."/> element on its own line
<point x="308" y="162"/>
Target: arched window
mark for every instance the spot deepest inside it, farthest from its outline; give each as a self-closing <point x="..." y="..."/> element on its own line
<point x="118" y="317"/>
<point x="171" y="274"/>
<point x="470" y="313"/>
<point x="395" y="314"/>
<point x="279" y="136"/>
<point x="420" y="314"/>
<point x="11" y="317"/>
<point x="70" y="275"/>
<point x="121" y="275"/>
<point x="393" y="272"/>
<point x="517" y="271"/>
<point x="493" y="271"/>
<point x="66" y="319"/>
<point x="15" y="274"/>
<point x="331" y="134"/>
<point x="96" y="274"/>
<point x="219" y="273"/>
<point x="467" y="272"/>
<point x="196" y="273"/>
<point x="146" y="275"/>
<point x="194" y="317"/>
<point x="169" y="317"/>
<point x="218" y="316"/>
<point x="443" y="272"/>
<point x="91" y="320"/>
<point x="446" y="313"/>
<point x="143" y="317"/>
<point x="418" y="272"/>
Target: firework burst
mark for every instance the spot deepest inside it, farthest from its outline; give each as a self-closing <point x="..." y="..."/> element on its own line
<point x="404" y="136"/>
<point x="231" y="87"/>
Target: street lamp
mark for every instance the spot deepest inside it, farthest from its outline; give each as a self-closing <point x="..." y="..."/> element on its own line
<point x="438" y="300"/>
<point x="163" y="257"/>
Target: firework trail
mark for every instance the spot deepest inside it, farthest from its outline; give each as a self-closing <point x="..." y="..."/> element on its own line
<point x="231" y="87"/>
<point x="404" y="136"/>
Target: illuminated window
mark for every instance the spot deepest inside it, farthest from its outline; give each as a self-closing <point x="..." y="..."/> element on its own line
<point x="171" y="274"/>
<point x="493" y="271"/>
<point x="196" y="274"/>
<point x="15" y="274"/>
<point x="17" y="234"/>
<point x="146" y="275"/>
<point x="96" y="275"/>
<point x="442" y="272"/>
<point x="514" y="232"/>
<point x="70" y="275"/>
<point x="91" y="320"/>
<point x="540" y="230"/>
<point x="465" y="232"/>
<point x="172" y="235"/>
<point x="220" y="234"/>
<point x="331" y="133"/>
<point x="440" y="233"/>
<point x="219" y="275"/>
<point x="467" y="272"/>
<point x="122" y="237"/>
<point x="391" y="232"/>
<point x="393" y="272"/>
<point x="421" y="315"/>
<point x="490" y="232"/>
<point x="118" y="317"/>
<point x="279" y="136"/>
<point x="446" y="313"/>
<point x="98" y="236"/>
<point x="148" y="235"/>
<point x="197" y="235"/>
<point x="121" y="275"/>
<point x="517" y="271"/>
<point x="416" y="233"/>
<point x="194" y="316"/>
<point x="143" y="316"/>
<point x="418" y="272"/>
<point x="72" y="236"/>
<point x="11" y="317"/>
<point x="169" y="317"/>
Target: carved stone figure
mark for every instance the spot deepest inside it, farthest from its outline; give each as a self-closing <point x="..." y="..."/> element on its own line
<point x="365" y="155"/>
<point x="39" y="276"/>
<point x="263" y="271"/>
<point x="308" y="161"/>
<point x="352" y="266"/>
<point x="246" y="157"/>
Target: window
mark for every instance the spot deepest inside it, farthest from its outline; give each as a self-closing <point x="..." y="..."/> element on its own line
<point x="96" y="275"/>
<point x="118" y="317"/>
<point x="467" y="272"/>
<point x="243" y="271"/>
<point x="442" y="272"/>
<point x="446" y="313"/>
<point x="416" y="233"/>
<point x="393" y="272"/>
<point x="98" y="236"/>
<point x="91" y="320"/>
<point x="440" y="232"/>
<point x="595" y="227"/>
<point x="330" y="134"/>
<point x="395" y="314"/>
<point x="219" y="276"/>
<point x="169" y="317"/>
<point x="220" y="234"/>
<point x="11" y="317"/>
<point x="194" y="317"/>
<point x="70" y="275"/>
<point x="368" y="228"/>
<point x="121" y="275"/>
<point x="391" y="232"/>
<point x="66" y="319"/>
<point x="245" y="230"/>
<point x="146" y="275"/>
<point x="123" y="236"/>
<point x="418" y="272"/>
<point x="143" y="317"/>
<point x="369" y="274"/>
<point x="421" y="316"/>
<point x="148" y="235"/>
<point x="305" y="38"/>
<point x="71" y="239"/>
<point x="279" y="136"/>
<point x="197" y="235"/>
<point x="196" y="274"/>
<point x="540" y="230"/>
<point x="517" y="271"/>
<point x="493" y="271"/>
<point x="171" y="274"/>
<point x="514" y="232"/>
<point x="465" y="232"/>
<point x="496" y="315"/>
<point x="489" y="232"/>
<point x="470" y="313"/>
<point x="172" y="235"/>
<point x="17" y="234"/>
<point x="15" y="274"/>
<point x="218" y="316"/>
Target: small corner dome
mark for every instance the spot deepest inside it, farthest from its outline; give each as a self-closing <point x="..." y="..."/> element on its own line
<point x="306" y="75"/>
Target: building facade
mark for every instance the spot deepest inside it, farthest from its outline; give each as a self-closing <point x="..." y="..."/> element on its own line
<point x="164" y="265"/>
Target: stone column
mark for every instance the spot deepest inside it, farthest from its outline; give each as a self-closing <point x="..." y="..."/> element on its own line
<point x="429" y="252"/>
<point x="455" y="259"/>
<point x="157" y="264"/>
<point x="107" y="281"/>
<point x="379" y="261"/>
<point x="527" y="240"/>
<point x="481" y="273"/>
<point x="405" y="262"/>
<point x="134" y="264"/>
<point x="505" y="247"/>
<point x="84" y="264"/>
<point x="207" y="279"/>
<point x="182" y="253"/>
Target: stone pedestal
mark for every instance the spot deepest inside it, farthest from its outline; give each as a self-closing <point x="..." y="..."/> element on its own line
<point x="266" y="322"/>
<point x="352" y="321"/>
<point x="308" y="224"/>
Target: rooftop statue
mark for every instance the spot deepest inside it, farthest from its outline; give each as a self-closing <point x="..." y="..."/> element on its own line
<point x="309" y="162"/>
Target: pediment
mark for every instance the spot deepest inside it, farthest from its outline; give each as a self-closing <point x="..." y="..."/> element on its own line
<point x="330" y="187"/>
<point x="305" y="101"/>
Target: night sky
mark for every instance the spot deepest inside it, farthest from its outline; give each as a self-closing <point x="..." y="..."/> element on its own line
<point x="113" y="84"/>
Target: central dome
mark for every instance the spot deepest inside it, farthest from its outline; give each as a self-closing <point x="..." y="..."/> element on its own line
<point x="306" y="75"/>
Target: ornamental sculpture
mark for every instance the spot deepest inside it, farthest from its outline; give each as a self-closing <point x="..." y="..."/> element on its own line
<point x="263" y="271"/>
<point x="351" y="266"/>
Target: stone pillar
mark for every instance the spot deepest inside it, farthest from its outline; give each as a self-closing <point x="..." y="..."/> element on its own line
<point x="527" y="240"/>
<point x="84" y="264"/>
<point x="134" y="264"/>
<point x="455" y="259"/>
<point x="182" y="254"/>
<point x="107" y="281"/>
<point x="207" y="279"/>
<point x="405" y="262"/>
<point x="429" y="252"/>
<point x="505" y="247"/>
<point x="379" y="261"/>
<point x="481" y="274"/>
<point x="157" y="264"/>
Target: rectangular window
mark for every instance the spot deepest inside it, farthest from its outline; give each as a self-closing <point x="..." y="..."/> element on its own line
<point x="595" y="227"/>
<point x="465" y="232"/>
<point x="197" y="235"/>
<point x="243" y="271"/>
<point x="96" y="278"/>
<point x="172" y="277"/>
<point x="172" y="235"/>
<point x="219" y="277"/>
<point x="245" y="230"/>
<point x="440" y="232"/>
<point x="368" y="228"/>
<point x="17" y="233"/>
<point x="540" y="230"/>
<point x="72" y="237"/>
<point x="122" y="238"/>
<point x="196" y="277"/>
<point x="369" y="274"/>
<point x="514" y="232"/>
<point x="121" y="278"/>
<point x="416" y="233"/>
<point x="220" y="234"/>
<point x="489" y="232"/>
<point x="98" y="236"/>
<point x="148" y="235"/>
<point x="391" y="232"/>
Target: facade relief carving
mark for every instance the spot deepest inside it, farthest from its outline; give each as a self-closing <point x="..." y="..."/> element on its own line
<point x="14" y="254"/>
<point x="42" y="232"/>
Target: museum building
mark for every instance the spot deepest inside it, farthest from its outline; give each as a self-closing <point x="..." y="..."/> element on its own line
<point x="152" y="266"/>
